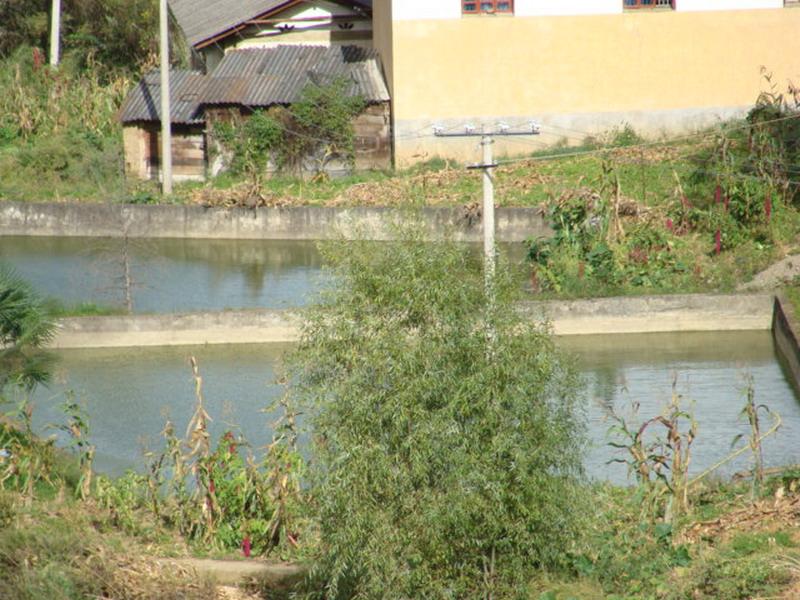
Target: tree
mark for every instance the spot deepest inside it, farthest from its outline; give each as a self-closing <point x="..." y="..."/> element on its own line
<point x="447" y="438"/>
<point x="25" y="328"/>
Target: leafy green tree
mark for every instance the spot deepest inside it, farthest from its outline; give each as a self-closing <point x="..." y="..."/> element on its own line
<point x="24" y="328"/>
<point x="447" y="429"/>
<point x="22" y="22"/>
<point x="109" y="34"/>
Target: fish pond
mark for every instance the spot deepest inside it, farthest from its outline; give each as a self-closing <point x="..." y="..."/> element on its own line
<point x="129" y="393"/>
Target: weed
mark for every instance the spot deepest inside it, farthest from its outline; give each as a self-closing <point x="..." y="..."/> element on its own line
<point x="750" y="412"/>
<point x="215" y="494"/>
<point x="77" y="430"/>
<point x="660" y="465"/>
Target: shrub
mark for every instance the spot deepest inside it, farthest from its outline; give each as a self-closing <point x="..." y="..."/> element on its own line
<point x="447" y="442"/>
<point x="25" y="326"/>
<point x="319" y="126"/>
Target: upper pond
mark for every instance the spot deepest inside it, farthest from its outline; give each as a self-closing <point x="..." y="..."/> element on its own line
<point x="130" y="392"/>
<point x="173" y="275"/>
<point x="169" y="275"/>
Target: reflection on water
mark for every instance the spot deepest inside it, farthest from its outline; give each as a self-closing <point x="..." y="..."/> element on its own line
<point x="709" y="371"/>
<point x="169" y="274"/>
<point x="175" y="275"/>
<point x="129" y="392"/>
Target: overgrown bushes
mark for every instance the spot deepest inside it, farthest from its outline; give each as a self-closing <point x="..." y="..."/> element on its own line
<point x="307" y="135"/>
<point x="447" y="431"/>
<point x="58" y="129"/>
<point x="741" y="193"/>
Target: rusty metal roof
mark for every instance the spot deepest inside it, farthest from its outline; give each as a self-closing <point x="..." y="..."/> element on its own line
<point x="203" y="21"/>
<point x="259" y="77"/>
<point x="143" y="102"/>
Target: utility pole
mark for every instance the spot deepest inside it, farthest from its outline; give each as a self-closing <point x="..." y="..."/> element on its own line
<point x="488" y="166"/>
<point x="55" y="33"/>
<point x="488" y="211"/>
<point x="166" y="120"/>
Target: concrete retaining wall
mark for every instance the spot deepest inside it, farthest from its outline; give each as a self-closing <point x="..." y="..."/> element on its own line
<point x="295" y="223"/>
<point x="598" y="316"/>
<point x="227" y="327"/>
<point x="785" y="328"/>
<point x="655" y="314"/>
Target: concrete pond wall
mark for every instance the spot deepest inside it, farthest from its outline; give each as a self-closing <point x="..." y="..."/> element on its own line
<point x="608" y="316"/>
<point x="292" y="223"/>
<point x="785" y="330"/>
<point x="649" y="314"/>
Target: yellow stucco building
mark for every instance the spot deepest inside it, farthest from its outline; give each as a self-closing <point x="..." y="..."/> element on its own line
<point x="577" y="67"/>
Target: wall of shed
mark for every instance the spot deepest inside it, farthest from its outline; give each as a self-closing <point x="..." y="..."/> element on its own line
<point x="135" y="147"/>
<point x="372" y="128"/>
<point x="373" y="143"/>
<point x="142" y="150"/>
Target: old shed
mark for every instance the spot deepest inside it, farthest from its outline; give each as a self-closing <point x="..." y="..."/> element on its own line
<point x="245" y="81"/>
<point x="261" y="78"/>
<point x="141" y="126"/>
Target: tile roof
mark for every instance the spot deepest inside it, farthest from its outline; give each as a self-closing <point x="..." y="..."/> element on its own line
<point x="202" y="20"/>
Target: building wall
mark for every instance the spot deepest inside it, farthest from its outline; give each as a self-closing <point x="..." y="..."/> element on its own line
<point x="135" y="150"/>
<point x="373" y="143"/>
<point x="412" y="10"/>
<point x="382" y="36"/>
<point x="142" y="148"/>
<point x="697" y="5"/>
<point x="659" y="70"/>
<point x="302" y="24"/>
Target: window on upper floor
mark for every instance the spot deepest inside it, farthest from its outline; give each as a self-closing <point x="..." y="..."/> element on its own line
<point x="477" y="7"/>
<point x="631" y="4"/>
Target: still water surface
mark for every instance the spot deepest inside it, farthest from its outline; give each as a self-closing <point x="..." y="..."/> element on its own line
<point x="129" y="392"/>
<point x="175" y="275"/>
<point x="169" y="275"/>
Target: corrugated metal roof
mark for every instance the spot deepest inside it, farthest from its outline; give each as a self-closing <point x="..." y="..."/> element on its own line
<point x="202" y="20"/>
<point x="187" y="89"/>
<point x="257" y="77"/>
<point x="268" y="76"/>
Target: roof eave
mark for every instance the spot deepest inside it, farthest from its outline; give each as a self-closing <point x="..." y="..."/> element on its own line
<point x="234" y="29"/>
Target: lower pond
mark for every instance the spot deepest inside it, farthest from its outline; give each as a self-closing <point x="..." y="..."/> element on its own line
<point x="130" y="392"/>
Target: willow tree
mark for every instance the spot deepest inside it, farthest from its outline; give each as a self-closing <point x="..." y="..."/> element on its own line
<point x="447" y="431"/>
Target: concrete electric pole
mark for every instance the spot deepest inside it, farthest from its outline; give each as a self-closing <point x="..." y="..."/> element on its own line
<point x="55" y="33"/>
<point x="166" y="121"/>
<point x="487" y="166"/>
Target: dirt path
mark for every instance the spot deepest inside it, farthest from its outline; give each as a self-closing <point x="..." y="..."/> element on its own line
<point x="775" y="276"/>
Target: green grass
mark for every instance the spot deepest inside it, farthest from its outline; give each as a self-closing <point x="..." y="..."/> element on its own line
<point x="58" y="310"/>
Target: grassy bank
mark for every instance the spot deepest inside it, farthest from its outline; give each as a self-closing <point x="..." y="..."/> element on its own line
<point x="728" y="547"/>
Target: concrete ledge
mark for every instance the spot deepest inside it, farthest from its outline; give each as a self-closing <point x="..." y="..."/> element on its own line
<point x="656" y="314"/>
<point x="648" y="314"/>
<point x="189" y="329"/>
<point x="785" y="327"/>
<point x="293" y="223"/>
<point x="234" y="572"/>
